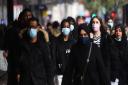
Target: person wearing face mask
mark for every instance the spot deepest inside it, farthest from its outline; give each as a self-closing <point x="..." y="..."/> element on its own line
<point x="60" y="49"/>
<point x="85" y="66"/>
<point x="35" y="59"/>
<point x="119" y="53"/>
<point x="73" y="27"/>
<point x="32" y="30"/>
<point x="101" y="38"/>
<point x="110" y="24"/>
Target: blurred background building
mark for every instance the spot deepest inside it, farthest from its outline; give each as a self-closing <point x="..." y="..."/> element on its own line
<point x="51" y="10"/>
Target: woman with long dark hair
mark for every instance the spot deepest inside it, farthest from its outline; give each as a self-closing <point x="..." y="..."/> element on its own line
<point x="85" y="66"/>
<point x="102" y="39"/>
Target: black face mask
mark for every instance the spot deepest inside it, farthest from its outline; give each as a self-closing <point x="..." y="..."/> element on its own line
<point x="85" y="40"/>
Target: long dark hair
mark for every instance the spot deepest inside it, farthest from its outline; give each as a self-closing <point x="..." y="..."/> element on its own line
<point x="83" y="27"/>
<point x="63" y="22"/>
<point x="102" y="27"/>
<point x="122" y="29"/>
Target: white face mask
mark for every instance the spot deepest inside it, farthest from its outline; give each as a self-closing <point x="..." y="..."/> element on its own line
<point x="96" y="27"/>
<point x="111" y="24"/>
<point x="33" y="32"/>
<point x="71" y="27"/>
<point x="66" y="31"/>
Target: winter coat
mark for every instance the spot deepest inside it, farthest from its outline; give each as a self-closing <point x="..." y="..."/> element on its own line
<point x="35" y="63"/>
<point x="79" y="72"/>
<point x="60" y="51"/>
<point x="119" y="54"/>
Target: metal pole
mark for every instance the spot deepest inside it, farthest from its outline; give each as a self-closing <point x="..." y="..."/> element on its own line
<point x="65" y="1"/>
<point x="10" y="11"/>
<point x="2" y="9"/>
<point x="39" y="12"/>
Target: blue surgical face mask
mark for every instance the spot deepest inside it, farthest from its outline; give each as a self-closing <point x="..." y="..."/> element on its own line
<point x="33" y="32"/>
<point x="66" y="31"/>
<point x="85" y="40"/>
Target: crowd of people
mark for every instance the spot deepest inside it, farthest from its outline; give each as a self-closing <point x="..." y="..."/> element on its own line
<point x="68" y="53"/>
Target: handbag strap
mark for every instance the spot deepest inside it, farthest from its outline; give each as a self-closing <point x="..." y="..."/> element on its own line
<point x="90" y="50"/>
<point x="87" y="61"/>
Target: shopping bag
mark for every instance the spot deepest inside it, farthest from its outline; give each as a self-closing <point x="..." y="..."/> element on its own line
<point x="3" y="62"/>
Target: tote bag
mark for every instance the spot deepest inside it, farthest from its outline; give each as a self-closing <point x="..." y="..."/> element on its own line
<point x="3" y="62"/>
